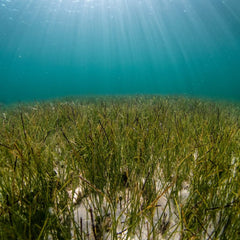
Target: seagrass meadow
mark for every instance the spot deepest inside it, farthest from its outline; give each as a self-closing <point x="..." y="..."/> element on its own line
<point x="123" y="167"/>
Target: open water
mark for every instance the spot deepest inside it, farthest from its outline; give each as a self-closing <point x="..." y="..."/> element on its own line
<point x="55" y="48"/>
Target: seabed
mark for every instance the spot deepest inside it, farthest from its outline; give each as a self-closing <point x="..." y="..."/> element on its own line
<point x="130" y="167"/>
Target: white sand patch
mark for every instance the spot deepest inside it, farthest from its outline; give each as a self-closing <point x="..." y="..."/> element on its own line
<point x="99" y="215"/>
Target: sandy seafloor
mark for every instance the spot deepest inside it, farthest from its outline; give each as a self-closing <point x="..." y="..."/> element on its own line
<point x="164" y="219"/>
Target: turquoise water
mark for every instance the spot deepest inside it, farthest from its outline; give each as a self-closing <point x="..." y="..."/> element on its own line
<point x="54" y="48"/>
